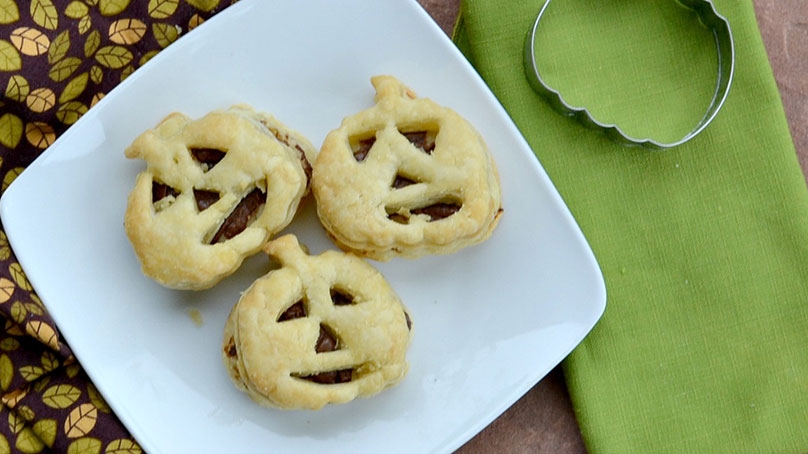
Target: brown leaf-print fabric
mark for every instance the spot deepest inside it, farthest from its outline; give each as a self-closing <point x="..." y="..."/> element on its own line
<point x="57" y="59"/>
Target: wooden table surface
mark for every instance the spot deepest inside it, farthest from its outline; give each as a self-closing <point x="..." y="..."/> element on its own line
<point x="542" y="421"/>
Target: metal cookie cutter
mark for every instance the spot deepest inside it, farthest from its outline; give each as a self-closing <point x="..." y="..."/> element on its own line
<point x="726" y="66"/>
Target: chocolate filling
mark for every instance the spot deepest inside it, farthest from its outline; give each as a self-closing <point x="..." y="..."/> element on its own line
<point x="331" y="378"/>
<point x="326" y="341"/>
<point x="438" y="211"/>
<point x="297" y="310"/>
<point x="204" y="199"/>
<point x="402" y="182"/>
<point x="341" y="298"/>
<point x="160" y="191"/>
<point x="362" y="148"/>
<point x="304" y="162"/>
<point x="208" y="157"/>
<point x="284" y="139"/>
<point x="230" y="348"/>
<point x="409" y="321"/>
<point x="244" y="213"/>
<point x="398" y="218"/>
<point x="421" y="140"/>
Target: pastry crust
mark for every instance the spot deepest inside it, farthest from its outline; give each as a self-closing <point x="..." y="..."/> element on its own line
<point x="273" y="356"/>
<point x="223" y="159"/>
<point x="405" y="178"/>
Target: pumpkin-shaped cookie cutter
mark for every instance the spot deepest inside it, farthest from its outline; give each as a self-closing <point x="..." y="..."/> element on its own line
<point x="707" y="14"/>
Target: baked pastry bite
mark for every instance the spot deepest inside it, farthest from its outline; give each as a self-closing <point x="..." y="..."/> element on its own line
<point x="214" y="190"/>
<point x="319" y="330"/>
<point x="405" y="178"/>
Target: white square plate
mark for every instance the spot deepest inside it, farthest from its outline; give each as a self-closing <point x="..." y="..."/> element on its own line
<point x="490" y="321"/>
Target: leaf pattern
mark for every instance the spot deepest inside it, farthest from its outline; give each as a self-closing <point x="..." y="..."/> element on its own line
<point x="42" y="332"/>
<point x="59" y="47"/>
<point x="76" y="10"/>
<point x="96" y="97"/>
<point x="18" y="312"/>
<point x="74" y="88"/>
<point x="85" y="445"/>
<point x="84" y="24"/>
<point x="147" y="56"/>
<point x="162" y="9"/>
<point x="10" y="59"/>
<point x="10" y="176"/>
<point x="41" y="99"/>
<point x="28" y="442"/>
<point x="6" y="372"/>
<point x="11" y="130"/>
<point x="5" y="250"/>
<point x="92" y="43"/>
<point x="44" y="14"/>
<point x="70" y="112"/>
<point x="17" y="88"/>
<point x="49" y="360"/>
<point x="30" y="41"/>
<point x="61" y="396"/>
<point x="46" y="430"/>
<point x="9" y="13"/>
<point x="31" y="373"/>
<point x="97" y="399"/>
<point x="112" y="7"/>
<point x="122" y="446"/>
<point x="18" y="275"/>
<point x="204" y="5"/>
<point x="165" y="34"/>
<point x="81" y="420"/>
<point x="6" y="289"/>
<point x="114" y="57"/>
<point x="96" y="74"/>
<point x="195" y="21"/>
<point x="58" y="58"/>
<point x="15" y="423"/>
<point x="9" y="344"/>
<point x="14" y="397"/>
<point x="126" y="31"/>
<point x="64" y="69"/>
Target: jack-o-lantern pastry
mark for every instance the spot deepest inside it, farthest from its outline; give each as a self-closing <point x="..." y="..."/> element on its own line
<point x="318" y="330"/>
<point x="214" y="191"/>
<point x="405" y="178"/>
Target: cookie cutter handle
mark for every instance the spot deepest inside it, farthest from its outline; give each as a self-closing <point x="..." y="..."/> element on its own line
<point x="725" y="47"/>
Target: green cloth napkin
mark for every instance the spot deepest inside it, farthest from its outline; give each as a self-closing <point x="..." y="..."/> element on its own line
<point x="704" y="343"/>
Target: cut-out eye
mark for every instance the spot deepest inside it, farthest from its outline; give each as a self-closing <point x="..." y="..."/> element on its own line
<point x="207" y="157"/>
<point x="438" y="211"/>
<point x="402" y="182"/>
<point x="435" y="211"/>
<point x="341" y="298"/>
<point x="423" y="140"/>
<point x="297" y="310"/>
<point x="241" y="217"/>
<point x="329" y="378"/>
<point x="204" y="199"/>
<point x="161" y="191"/>
<point x="327" y="341"/>
<point x="398" y="218"/>
<point x="361" y="148"/>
